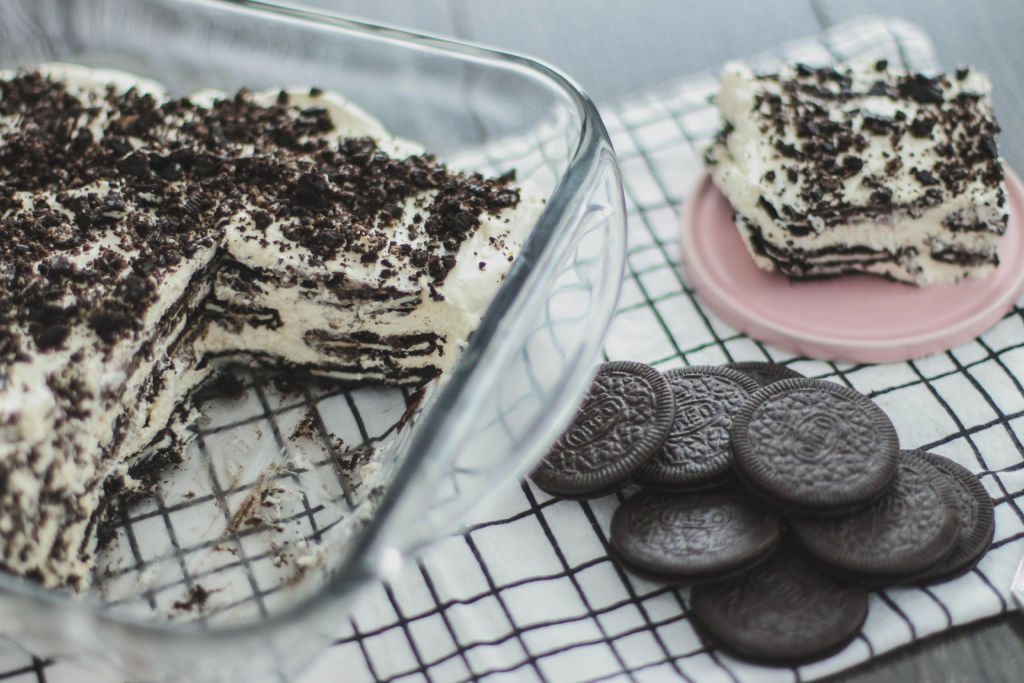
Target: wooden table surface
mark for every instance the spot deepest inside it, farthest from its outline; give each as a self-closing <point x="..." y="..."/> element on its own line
<point x="614" y="48"/>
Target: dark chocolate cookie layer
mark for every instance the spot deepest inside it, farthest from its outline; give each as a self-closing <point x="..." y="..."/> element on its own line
<point x="623" y="421"/>
<point x="782" y="612"/>
<point x="977" y="521"/>
<point x="693" y="538"/>
<point x="908" y="531"/>
<point x="814" y="447"/>
<point x="763" y="372"/>
<point x="696" y="454"/>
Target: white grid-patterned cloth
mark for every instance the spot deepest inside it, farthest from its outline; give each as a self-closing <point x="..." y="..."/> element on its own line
<point x="529" y="593"/>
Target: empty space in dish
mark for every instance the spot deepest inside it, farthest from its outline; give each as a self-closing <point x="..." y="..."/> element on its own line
<point x="272" y="488"/>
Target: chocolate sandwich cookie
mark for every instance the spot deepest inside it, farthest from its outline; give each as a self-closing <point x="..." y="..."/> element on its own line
<point x="764" y="372"/>
<point x="623" y="421"/>
<point x="782" y="612"/>
<point x="911" y="529"/>
<point x="693" y="538"/>
<point x="814" y="447"/>
<point x="696" y="454"/>
<point x="977" y="521"/>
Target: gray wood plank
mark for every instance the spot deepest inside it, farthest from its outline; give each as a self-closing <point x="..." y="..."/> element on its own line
<point x="987" y="651"/>
<point x="614" y="48"/>
<point x="423" y="16"/>
<point x="987" y="35"/>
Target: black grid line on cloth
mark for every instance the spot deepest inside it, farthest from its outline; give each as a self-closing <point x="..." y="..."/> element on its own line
<point x="630" y="590"/>
<point x="35" y="666"/>
<point x="221" y="496"/>
<point x="140" y="562"/>
<point x="494" y="592"/>
<point x="442" y="611"/>
<point x="964" y="432"/>
<point x="194" y="576"/>
<point x="266" y="411"/>
<point x="443" y="605"/>
<point x="321" y="433"/>
<point x="490" y="593"/>
<point x="1005" y="605"/>
<point x="575" y="584"/>
<point x="163" y="511"/>
<point x="173" y="537"/>
<point x="884" y="596"/>
<point x="39" y="668"/>
<point x="200" y="499"/>
<point x="867" y="642"/>
<point x="360" y="640"/>
<point x="942" y="606"/>
<point x="403" y="623"/>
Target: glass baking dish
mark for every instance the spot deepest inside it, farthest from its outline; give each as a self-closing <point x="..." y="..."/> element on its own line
<point x="510" y="393"/>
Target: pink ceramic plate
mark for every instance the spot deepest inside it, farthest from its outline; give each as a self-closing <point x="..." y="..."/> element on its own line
<point x="854" y="318"/>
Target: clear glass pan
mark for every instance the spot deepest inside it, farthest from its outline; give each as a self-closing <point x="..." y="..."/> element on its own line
<point x="525" y="368"/>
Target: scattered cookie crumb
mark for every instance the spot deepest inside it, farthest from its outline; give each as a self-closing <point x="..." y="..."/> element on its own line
<point x="257" y="508"/>
<point x="414" y="405"/>
<point x="195" y="598"/>
<point x="307" y="427"/>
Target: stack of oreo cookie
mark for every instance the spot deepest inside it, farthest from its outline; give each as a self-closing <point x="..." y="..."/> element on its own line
<point x="780" y="498"/>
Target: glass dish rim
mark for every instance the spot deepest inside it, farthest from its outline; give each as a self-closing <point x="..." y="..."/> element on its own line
<point x="591" y="145"/>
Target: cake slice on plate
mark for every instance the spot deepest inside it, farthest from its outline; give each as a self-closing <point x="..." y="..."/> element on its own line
<point x="862" y="169"/>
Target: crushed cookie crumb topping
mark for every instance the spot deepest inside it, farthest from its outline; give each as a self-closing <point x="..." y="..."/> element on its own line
<point x="160" y="180"/>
